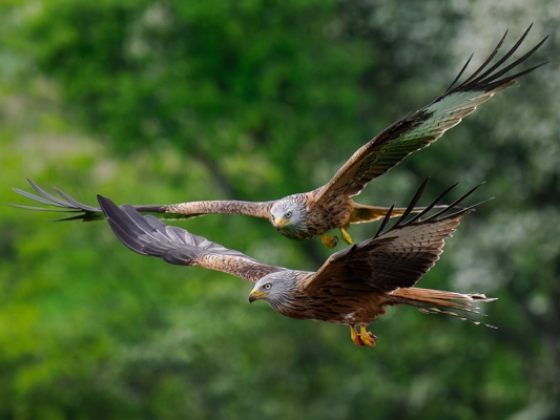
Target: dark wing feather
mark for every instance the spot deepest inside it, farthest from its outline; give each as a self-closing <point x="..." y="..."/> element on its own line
<point x="396" y="257"/>
<point x="66" y="204"/>
<point x="80" y="211"/>
<point x="421" y="128"/>
<point x="147" y="235"/>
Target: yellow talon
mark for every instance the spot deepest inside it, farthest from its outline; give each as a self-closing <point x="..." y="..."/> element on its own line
<point x="346" y="236"/>
<point x="367" y="338"/>
<point x="355" y="336"/>
<point x="329" y="241"/>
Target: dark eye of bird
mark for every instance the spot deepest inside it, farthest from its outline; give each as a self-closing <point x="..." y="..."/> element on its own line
<point x="288" y="215"/>
<point x="267" y="286"/>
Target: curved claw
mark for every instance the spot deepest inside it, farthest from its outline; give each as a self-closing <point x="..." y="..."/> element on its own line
<point x="364" y="338"/>
<point x="368" y="339"/>
<point x="329" y="241"/>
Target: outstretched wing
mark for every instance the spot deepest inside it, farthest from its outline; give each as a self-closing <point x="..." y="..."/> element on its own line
<point x="85" y="213"/>
<point x="396" y="257"/>
<point x="421" y="128"/>
<point x="147" y="235"/>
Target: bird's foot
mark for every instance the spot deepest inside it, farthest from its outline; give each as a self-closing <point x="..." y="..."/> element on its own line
<point x="346" y="236"/>
<point x="355" y="336"/>
<point x="368" y="338"/>
<point x="365" y="338"/>
<point x="329" y="241"/>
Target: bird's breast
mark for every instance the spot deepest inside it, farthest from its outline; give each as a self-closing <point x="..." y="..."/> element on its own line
<point x="348" y="307"/>
<point x="333" y="214"/>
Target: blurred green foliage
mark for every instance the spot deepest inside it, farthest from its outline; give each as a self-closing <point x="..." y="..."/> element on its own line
<point x="168" y="101"/>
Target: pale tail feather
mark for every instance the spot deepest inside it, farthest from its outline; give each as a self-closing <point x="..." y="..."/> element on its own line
<point x="440" y="302"/>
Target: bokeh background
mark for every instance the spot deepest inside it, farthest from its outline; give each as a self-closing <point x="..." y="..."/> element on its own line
<point x="152" y="102"/>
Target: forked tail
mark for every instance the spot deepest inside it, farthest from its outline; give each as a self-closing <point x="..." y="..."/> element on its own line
<point x="440" y="302"/>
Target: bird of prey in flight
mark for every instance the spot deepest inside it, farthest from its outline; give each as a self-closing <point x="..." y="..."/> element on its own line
<point x="353" y="286"/>
<point x="305" y="215"/>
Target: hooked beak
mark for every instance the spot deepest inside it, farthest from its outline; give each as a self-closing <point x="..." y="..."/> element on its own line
<point x="279" y="223"/>
<point x="256" y="295"/>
